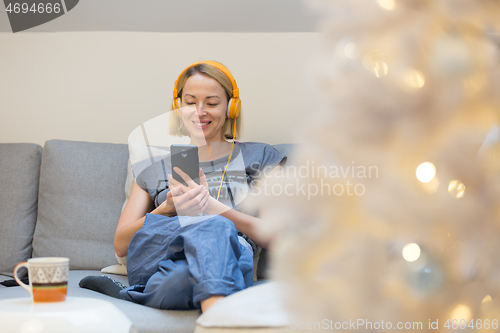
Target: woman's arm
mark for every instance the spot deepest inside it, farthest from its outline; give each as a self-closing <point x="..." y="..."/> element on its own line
<point x="243" y="222"/>
<point x="131" y="219"/>
<point x="139" y="203"/>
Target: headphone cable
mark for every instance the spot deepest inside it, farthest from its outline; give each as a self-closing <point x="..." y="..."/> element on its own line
<point x="229" y="159"/>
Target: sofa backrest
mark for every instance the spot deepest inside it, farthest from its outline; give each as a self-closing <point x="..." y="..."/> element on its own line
<point x="19" y="173"/>
<point x="80" y="200"/>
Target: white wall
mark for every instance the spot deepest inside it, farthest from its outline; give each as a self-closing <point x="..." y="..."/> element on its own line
<point x="99" y="86"/>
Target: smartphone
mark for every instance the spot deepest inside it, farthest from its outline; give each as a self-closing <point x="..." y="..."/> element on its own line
<point x="185" y="157"/>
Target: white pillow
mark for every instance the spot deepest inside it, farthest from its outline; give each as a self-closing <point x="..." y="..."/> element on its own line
<point x="255" y="307"/>
<point x="120" y="269"/>
<point x="115" y="269"/>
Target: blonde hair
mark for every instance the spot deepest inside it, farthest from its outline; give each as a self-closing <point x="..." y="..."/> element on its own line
<point x="177" y="127"/>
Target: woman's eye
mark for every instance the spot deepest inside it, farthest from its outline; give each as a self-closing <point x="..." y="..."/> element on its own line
<point x="190" y="103"/>
<point x="212" y="104"/>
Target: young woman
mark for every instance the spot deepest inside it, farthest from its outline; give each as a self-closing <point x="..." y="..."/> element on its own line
<point x="189" y="245"/>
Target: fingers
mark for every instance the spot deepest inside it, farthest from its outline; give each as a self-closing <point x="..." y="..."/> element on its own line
<point x="199" y="202"/>
<point x="175" y="191"/>
<point x="205" y="204"/>
<point x="193" y="202"/>
<point x="182" y="200"/>
<point x="190" y="200"/>
<point x="203" y="179"/>
<point x="174" y="183"/>
<point x="204" y="201"/>
<point x="193" y="192"/>
<point x="185" y="177"/>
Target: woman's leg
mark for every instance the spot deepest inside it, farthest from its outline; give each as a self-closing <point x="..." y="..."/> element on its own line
<point x="207" y="303"/>
<point x="169" y="288"/>
<point x="150" y="245"/>
<point x="217" y="263"/>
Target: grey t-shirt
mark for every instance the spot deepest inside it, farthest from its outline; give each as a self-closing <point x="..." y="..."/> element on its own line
<point x="250" y="161"/>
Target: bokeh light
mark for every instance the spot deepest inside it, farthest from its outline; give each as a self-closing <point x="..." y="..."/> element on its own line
<point x="456" y="189"/>
<point x="374" y="63"/>
<point x="414" y="78"/>
<point x="350" y="50"/>
<point x="426" y="172"/>
<point x="486" y="303"/>
<point x="387" y="4"/>
<point x="411" y="252"/>
<point x="460" y="312"/>
<point x="487" y="299"/>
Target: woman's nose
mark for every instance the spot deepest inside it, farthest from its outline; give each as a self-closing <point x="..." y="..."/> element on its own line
<point x="200" y="109"/>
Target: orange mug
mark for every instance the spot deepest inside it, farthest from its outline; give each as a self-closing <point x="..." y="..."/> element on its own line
<point x="48" y="278"/>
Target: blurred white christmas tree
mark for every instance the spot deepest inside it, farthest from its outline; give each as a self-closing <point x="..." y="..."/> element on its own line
<point x="410" y="88"/>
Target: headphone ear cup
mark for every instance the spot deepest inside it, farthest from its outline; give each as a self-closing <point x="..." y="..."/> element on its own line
<point x="229" y="115"/>
<point x="176" y="105"/>
<point x="235" y="108"/>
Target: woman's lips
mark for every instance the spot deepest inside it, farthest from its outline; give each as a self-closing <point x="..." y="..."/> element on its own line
<point x="201" y="124"/>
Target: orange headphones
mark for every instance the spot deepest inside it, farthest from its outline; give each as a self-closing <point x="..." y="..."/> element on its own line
<point x="234" y="105"/>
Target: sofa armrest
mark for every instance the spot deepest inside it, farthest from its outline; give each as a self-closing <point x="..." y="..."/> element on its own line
<point x="19" y="178"/>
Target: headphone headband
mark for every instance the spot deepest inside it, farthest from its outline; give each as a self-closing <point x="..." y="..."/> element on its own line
<point x="234" y="104"/>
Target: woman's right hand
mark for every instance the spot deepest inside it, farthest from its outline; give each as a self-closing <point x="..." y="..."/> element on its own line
<point x="191" y="200"/>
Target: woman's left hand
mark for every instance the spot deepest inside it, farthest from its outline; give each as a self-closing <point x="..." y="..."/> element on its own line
<point x="214" y="207"/>
<point x="181" y="189"/>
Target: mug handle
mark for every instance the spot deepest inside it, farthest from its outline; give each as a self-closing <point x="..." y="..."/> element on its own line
<point x="25" y="286"/>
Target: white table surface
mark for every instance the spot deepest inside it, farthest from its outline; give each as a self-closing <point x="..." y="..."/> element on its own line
<point x="76" y="314"/>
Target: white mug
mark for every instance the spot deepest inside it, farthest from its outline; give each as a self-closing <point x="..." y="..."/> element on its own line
<point x="48" y="278"/>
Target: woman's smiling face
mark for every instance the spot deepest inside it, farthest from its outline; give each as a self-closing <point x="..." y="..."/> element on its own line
<point x="204" y="107"/>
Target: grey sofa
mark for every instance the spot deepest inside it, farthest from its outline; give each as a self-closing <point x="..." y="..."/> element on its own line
<point x="65" y="200"/>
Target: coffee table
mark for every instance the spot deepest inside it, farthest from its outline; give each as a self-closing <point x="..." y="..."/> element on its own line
<point x="75" y="315"/>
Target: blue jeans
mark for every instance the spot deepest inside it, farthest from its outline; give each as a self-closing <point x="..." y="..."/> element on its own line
<point x="173" y="266"/>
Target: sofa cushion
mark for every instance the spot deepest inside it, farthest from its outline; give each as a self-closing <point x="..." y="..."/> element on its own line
<point x="19" y="175"/>
<point x="80" y="201"/>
